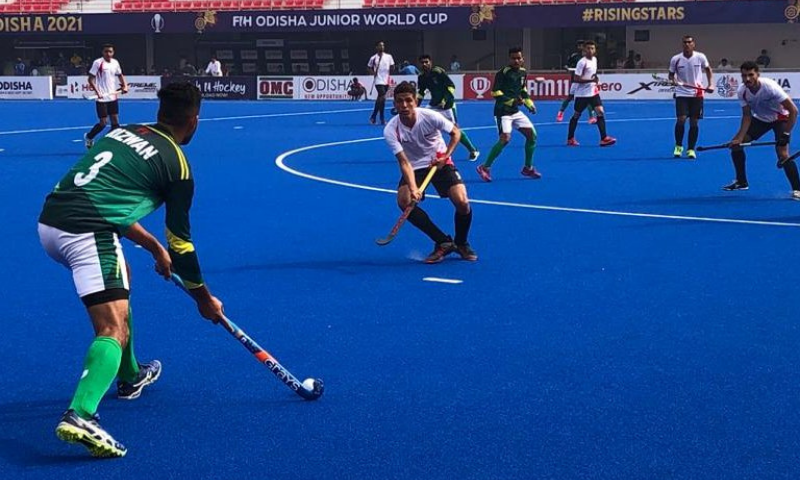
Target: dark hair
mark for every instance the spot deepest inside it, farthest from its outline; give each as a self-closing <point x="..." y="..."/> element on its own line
<point x="178" y="102"/>
<point x="379" y="42"/>
<point x="514" y="50"/>
<point x="108" y="45"/>
<point x="589" y="43"/>
<point x="687" y="37"/>
<point x="750" y="65"/>
<point x="424" y="56"/>
<point x="405" y="87"/>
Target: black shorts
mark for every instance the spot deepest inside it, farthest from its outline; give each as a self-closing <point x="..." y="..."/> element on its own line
<point x="758" y="129"/>
<point x="104" y="109"/>
<point x="442" y="180"/>
<point x="691" y="107"/>
<point x="582" y="102"/>
<point x="382" y="89"/>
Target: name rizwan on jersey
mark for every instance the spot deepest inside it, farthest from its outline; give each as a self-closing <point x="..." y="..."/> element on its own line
<point x="137" y="143"/>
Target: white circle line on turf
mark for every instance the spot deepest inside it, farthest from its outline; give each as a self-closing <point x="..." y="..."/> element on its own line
<point x="451" y="281"/>
<point x="280" y="161"/>
<point x="214" y="119"/>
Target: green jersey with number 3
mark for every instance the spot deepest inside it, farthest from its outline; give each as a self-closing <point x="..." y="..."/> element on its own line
<point x="127" y="175"/>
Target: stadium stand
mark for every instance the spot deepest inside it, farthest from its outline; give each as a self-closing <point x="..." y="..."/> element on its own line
<point x="33" y="6"/>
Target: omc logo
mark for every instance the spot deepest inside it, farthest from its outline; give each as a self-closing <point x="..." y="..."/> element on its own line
<point x="727" y="86"/>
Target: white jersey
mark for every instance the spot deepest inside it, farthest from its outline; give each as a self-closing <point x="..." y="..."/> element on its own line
<point x="106" y="74"/>
<point x="765" y="104"/>
<point x="689" y="71"/>
<point x="383" y="63"/>
<point x="585" y="70"/>
<point x="214" y="68"/>
<point x="421" y="142"/>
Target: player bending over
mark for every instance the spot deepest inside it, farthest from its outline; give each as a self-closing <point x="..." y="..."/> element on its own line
<point x="765" y="107"/>
<point x="415" y="138"/>
<point x="685" y="71"/>
<point x="588" y="94"/>
<point x="127" y="175"/>
<point x="103" y="77"/>
<point x="442" y="100"/>
<point x="510" y="90"/>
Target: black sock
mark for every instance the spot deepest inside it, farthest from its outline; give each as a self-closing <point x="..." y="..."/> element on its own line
<point x="679" y="129"/>
<point x="790" y="168"/>
<point x="738" y="164"/>
<point x="114" y="126"/>
<point x="422" y="221"/>
<point x="601" y="125"/>
<point x="573" y="125"/>
<point x="694" y="132"/>
<point x="98" y="127"/>
<point x="463" y="223"/>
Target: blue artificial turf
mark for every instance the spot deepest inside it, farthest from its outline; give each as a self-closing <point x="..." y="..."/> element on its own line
<point x="580" y="345"/>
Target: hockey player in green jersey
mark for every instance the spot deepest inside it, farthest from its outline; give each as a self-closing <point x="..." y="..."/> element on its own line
<point x="510" y="90"/>
<point x="435" y="80"/>
<point x="125" y="176"/>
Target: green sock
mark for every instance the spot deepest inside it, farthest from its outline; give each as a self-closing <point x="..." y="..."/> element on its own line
<point x="530" y="147"/>
<point x="467" y="142"/>
<point x="496" y="150"/>
<point x="564" y="105"/>
<point x="99" y="370"/>
<point x="129" y="367"/>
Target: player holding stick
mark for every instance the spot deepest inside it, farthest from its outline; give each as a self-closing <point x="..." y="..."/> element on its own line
<point x="765" y="107"/>
<point x="588" y="94"/>
<point x="381" y="65"/>
<point x="415" y="138"/>
<point x="685" y="71"/>
<point x="510" y="90"/>
<point x="103" y="77"/>
<point x="572" y="62"/>
<point x="442" y="89"/>
<point x="127" y="175"/>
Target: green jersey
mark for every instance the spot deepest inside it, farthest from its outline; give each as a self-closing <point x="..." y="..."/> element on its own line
<point x="573" y="60"/>
<point x="441" y="87"/>
<point x="510" y="85"/>
<point x="127" y="175"/>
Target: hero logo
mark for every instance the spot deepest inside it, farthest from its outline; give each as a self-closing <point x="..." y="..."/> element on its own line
<point x="610" y="87"/>
<point x="727" y="86"/>
<point x="311" y="85"/>
<point x="480" y="85"/>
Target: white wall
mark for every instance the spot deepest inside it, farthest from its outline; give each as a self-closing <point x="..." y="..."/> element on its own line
<point x="737" y="43"/>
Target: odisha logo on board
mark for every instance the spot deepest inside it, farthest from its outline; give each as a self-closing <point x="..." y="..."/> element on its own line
<point x="792" y="12"/>
<point x="727" y="86"/>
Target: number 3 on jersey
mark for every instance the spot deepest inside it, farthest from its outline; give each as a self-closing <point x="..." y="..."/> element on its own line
<point x="101" y="158"/>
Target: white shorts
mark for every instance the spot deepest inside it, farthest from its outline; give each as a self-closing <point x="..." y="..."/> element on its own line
<point x="509" y="123"/>
<point x="449" y="114"/>
<point x="95" y="259"/>
<point x="572" y="87"/>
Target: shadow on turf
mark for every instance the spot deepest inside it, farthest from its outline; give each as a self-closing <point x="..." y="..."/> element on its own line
<point x="35" y="421"/>
<point x="354" y="267"/>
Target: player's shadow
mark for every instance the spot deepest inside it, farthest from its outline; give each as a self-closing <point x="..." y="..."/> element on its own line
<point x="27" y="437"/>
<point x="705" y="200"/>
<point x="349" y="267"/>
